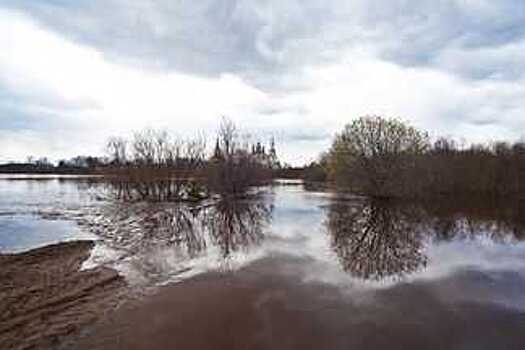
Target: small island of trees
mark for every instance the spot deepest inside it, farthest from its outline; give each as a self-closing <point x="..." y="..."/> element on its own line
<point x="382" y="157"/>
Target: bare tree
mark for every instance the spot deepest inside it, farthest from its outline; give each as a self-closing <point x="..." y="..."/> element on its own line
<point x="158" y="167"/>
<point x="116" y="148"/>
<point x="195" y="152"/>
<point x="371" y="151"/>
<point x="233" y="169"/>
<point x="228" y="137"/>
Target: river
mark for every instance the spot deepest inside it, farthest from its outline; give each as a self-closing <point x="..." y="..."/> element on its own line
<point x="287" y="267"/>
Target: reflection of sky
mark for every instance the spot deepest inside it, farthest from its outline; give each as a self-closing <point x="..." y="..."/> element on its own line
<point x="43" y="192"/>
<point x="21" y="203"/>
<point x="23" y="232"/>
<point x="478" y="253"/>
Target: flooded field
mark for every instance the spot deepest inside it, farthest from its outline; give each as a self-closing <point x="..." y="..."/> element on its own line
<point x="34" y="210"/>
<point x="286" y="268"/>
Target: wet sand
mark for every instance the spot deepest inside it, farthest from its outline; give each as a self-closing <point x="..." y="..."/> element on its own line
<point x="266" y="306"/>
<point x="45" y="298"/>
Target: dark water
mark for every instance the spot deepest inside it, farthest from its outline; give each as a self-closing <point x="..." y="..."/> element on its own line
<point x="302" y="268"/>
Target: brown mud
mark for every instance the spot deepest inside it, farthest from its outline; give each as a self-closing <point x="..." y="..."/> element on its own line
<point x="45" y="298"/>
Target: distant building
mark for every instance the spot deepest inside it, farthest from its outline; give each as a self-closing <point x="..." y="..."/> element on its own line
<point x="268" y="159"/>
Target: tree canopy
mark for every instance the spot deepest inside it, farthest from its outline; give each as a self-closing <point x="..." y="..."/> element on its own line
<point x="371" y="150"/>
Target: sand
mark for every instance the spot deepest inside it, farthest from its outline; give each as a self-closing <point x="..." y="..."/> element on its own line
<point x="45" y="298"/>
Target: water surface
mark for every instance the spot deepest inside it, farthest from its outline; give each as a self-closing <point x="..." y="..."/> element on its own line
<point x="34" y="210"/>
<point x="289" y="268"/>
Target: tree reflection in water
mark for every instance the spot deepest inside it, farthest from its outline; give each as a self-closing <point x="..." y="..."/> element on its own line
<point x="375" y="240"/>
<point x="234" y="223"/>
<point x="498" y="220"/>
<point x="229" y="223"/>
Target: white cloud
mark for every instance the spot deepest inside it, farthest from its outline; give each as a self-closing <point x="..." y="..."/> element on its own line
<point x="431" y="99"/>
<point x="82" y="94"/>
<point x="52" y="74"/>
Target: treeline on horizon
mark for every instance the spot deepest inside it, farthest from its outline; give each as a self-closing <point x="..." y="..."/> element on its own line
<point x="385" y="158"/>
<point x="374" y="156"/>
<point x="79" y="165"/>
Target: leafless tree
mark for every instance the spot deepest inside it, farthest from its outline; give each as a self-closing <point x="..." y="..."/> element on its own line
<point x="387" y="158"/>
<point x="157" y="168"/>
<point x="116" y="148"/>
<point x="153" y="165"/>
<point x="371" y="150"/>
<point x="233" y="169"/>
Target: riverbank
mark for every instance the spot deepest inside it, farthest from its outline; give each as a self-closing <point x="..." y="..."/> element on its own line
<point x="45" y="297"/>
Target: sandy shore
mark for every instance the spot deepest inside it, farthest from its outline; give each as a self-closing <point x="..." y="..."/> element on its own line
<point x="45" y="298"/>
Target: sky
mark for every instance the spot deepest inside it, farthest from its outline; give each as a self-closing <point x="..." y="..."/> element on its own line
<point x="73" y="73"/>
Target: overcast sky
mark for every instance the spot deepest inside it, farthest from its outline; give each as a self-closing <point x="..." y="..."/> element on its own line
<point x="74" y="72"/>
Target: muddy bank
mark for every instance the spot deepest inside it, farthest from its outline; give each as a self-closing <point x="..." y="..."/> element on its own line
<point x="44" y="297"/>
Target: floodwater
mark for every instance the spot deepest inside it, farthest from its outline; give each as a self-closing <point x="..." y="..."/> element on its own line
<point x="33" y="210"/>
<point x="288" y="268"/>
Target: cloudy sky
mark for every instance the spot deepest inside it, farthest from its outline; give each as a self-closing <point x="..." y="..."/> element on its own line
<point x="74" y="72"/>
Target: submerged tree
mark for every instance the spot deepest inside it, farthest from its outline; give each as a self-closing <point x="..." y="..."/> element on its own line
<point x="387" y="158"/>
<point x="372" y="151"/>
<point x="233" y="167"/>
<point x="154" y="166"/>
